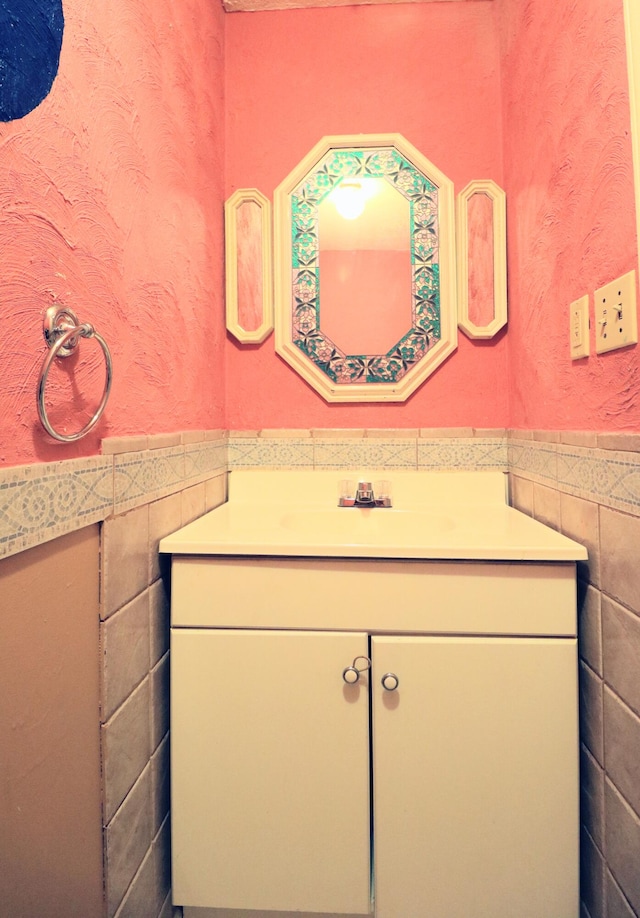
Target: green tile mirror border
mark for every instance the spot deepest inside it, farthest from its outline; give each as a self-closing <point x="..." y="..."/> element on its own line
<point x="431" y="335"/>
<point x="41" y="501"/>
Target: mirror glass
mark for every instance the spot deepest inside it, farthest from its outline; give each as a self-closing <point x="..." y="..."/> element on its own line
<point x="364" y="242"/>
<point x="359" y="278"/>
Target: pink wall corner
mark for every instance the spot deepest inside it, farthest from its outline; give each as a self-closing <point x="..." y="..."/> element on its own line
<point x="427" y="71"/>
<point x="570" y="202"/>
<point x="112" y="204"/>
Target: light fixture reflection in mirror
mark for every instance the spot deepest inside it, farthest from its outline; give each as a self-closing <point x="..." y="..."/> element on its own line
<point x="349" y="200"/>
<point x="350" y="196"/>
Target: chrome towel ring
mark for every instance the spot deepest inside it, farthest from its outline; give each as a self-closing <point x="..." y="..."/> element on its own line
<point x="62" y="332"/>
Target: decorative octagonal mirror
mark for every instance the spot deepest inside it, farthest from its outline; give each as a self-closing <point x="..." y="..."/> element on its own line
<point x="365" y="290"/>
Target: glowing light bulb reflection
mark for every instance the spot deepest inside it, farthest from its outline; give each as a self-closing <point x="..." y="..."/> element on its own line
<point x="349" y="200"/>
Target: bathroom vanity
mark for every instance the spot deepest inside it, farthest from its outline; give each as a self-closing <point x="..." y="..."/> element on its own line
<point x="373" y="711"/>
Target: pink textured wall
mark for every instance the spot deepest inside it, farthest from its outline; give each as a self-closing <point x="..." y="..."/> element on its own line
<point x="427" y="71"/>
<point x="111" y="196"/>
<point x="570" y="204"/>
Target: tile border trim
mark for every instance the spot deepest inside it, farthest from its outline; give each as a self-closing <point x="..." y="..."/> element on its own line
<point x="42" y="501"/>
<point x="610" y="477"/>
<point x="443" y="451"/>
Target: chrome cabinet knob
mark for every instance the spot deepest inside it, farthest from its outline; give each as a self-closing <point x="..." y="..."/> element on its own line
<point x="390" y="682"/>
<point x="352" y="673"/>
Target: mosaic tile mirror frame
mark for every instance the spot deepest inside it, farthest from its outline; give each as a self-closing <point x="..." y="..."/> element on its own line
<point x="426" y="332"/>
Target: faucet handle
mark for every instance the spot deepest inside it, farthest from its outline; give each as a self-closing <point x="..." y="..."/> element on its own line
<point x="382" y="491"/>
<point x="347" y="493"/>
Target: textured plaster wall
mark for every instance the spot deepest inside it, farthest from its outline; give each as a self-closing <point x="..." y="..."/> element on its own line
<point x="111" y="202"/>
<point x="111" y="193"/>
<point x="570" y="200"/>
<point x="428" y="71"/>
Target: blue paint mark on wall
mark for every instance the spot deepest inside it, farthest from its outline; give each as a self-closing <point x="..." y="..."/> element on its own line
<point x="30" y="43"/>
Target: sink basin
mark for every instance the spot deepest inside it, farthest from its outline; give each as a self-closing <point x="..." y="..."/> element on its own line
<point x="357" y="523"/>
<point x="435" y="516"/>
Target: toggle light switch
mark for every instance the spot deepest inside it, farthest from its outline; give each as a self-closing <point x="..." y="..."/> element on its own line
<point x="615" y="314"/>
<point x="579" y="328"/>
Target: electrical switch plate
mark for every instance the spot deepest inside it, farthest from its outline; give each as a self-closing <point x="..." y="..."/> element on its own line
<point x="579" y="330"/>
<point x="615" y="314"/>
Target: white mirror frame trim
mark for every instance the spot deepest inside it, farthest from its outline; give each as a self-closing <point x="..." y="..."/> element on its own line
<point x="239" y="197"/>
<point x="632" y="28"/>
<point x="365" y="392"/>
<point x="498" y="200"/>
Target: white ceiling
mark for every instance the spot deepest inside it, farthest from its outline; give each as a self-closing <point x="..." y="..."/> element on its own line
<point x="234" y="6"/>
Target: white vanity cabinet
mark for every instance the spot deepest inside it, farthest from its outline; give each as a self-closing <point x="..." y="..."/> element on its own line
<point x="454" y="795"/>
<point x="473" y="759"/>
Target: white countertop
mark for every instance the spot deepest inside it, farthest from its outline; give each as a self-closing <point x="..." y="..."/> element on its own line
<point x="435" y="516"/>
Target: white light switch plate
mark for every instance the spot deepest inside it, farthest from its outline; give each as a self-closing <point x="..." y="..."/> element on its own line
<point x="615" y="314"/>
<point x="579" y="328"/>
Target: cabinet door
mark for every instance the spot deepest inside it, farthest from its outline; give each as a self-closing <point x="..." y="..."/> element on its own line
<point x="270" y="771"/>
<point x="475" y="778"/>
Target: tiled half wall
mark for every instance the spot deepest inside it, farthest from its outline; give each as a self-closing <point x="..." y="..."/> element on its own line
<point x="157" y="490"/>
<point x="588" y="486"/>
<point x="584" y="484"/>
<point x="140" y="489"/>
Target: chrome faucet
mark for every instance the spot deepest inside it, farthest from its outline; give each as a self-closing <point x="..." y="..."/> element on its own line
<point x="364" y="495"/>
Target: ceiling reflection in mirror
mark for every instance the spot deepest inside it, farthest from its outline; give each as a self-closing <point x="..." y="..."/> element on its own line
<point x="364" y="257"/>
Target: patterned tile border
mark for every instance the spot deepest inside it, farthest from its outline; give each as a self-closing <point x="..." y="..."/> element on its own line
<point x="605" y="476"/>
<point x="368" y="452"/>
<point x="202" y="460"/>
<point x="43" y="501"/>
<point x="365" y="454"/>
<point x="261" y="452"/>
<point x="538" y="459"/>
<point x="140" y="477"/>
<point x="40" y="502"/>
<point x="148" y="475"/>
<point x="463" y="454"/>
